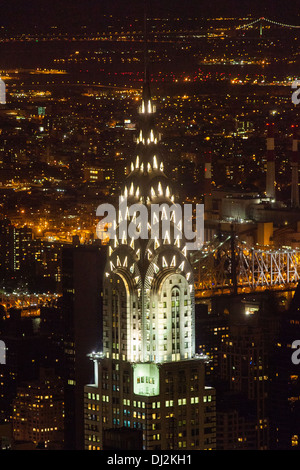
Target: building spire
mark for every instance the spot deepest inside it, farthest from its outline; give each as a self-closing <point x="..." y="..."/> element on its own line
<point x="146" y="85"/>
<point x="147" y="258"/>
<point x="147" y="182"/>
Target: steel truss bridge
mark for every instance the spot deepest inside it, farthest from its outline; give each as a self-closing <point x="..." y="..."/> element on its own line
<point x="229" y="266"/>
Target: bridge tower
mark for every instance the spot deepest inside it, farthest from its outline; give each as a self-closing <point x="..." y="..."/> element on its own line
<point x="261" y="26"/>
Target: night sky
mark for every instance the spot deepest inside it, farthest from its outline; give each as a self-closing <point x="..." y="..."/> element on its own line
<point x="69" y="14"/>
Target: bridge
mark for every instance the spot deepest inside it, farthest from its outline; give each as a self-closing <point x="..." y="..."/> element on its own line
<point x="263" y="20"/>
<point x="230" y="266"/>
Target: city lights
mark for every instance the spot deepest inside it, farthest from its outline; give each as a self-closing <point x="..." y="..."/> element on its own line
<point x="149" y="228"/>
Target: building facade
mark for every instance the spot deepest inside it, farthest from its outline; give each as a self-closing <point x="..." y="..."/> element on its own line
<point x="38" y="411"/>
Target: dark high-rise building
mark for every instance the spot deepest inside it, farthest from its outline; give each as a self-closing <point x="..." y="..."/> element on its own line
<point x="38" y="411"/>
<point x="26" y="351"/>
<point x="239" y="334"/>
<point x="14" y="244"/>
<point x="22" y="237"/>
<point x="6" y="245"/>
<point x="43" y="269"/>
<point x="82" y="276"/>
<point x="284" y="404"/>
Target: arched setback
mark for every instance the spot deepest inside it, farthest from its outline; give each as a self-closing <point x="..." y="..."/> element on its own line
<point x="171" y="317"/>
<point x="121" y="318"/>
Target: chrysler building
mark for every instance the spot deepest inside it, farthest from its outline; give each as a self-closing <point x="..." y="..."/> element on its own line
<point x="148" y="376"/>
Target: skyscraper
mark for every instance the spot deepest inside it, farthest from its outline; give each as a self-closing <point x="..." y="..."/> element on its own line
<point x="82" y="268"/>
<point x="148" y="376"/>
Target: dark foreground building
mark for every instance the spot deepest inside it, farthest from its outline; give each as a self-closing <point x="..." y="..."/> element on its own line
<point x="82" y="271"/>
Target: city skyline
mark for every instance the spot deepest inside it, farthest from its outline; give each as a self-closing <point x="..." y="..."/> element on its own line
<point x="140" y="342"/>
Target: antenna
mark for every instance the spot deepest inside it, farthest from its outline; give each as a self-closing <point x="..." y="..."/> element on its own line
<point x="146" y="88"/>
<point x="145" y="42"/>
